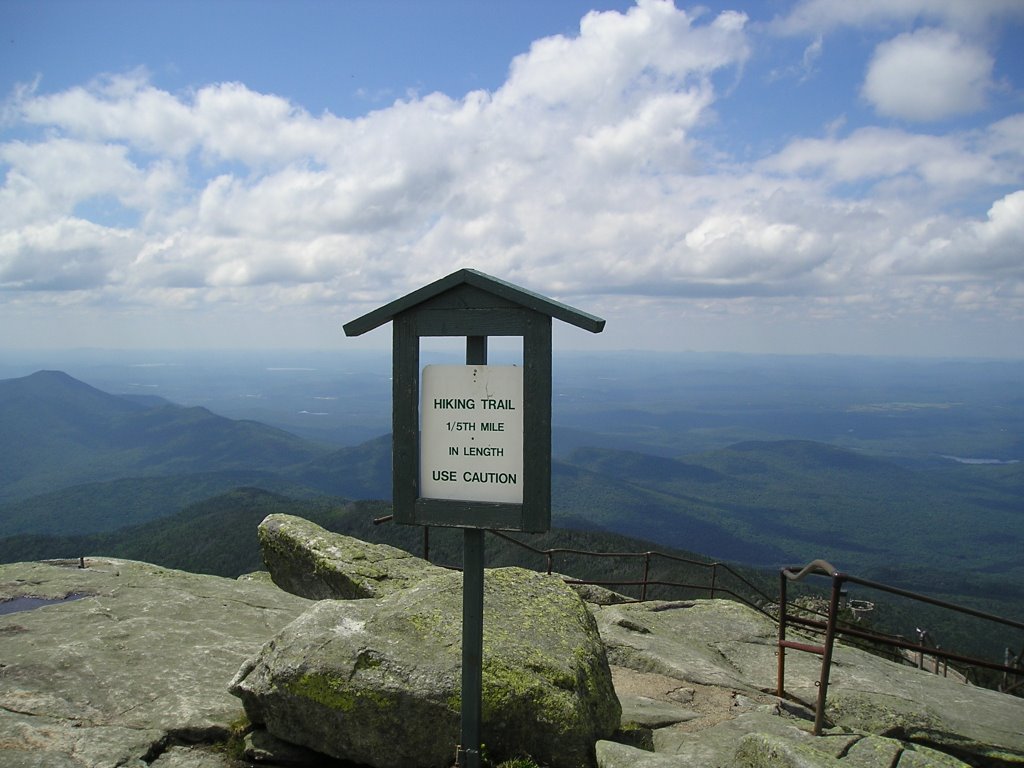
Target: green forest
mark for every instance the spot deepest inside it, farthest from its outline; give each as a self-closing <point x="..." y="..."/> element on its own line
<point x="85" y="473"/>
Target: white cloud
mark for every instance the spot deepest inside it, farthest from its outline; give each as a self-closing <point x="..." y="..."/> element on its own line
<point x="64" y="255"/>
<point x="592" y="171"/>
<point x="960" y="257"/>
<point x="811" y="55"/>
<point x="937" y="165"/>
<point x="300" y="199"/>
<point x="929" y="74"/>
<point x="116" y="108"/>
<point x="815" y="16"/>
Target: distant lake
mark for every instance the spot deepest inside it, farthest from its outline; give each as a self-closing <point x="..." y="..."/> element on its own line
<point x="962" y="460"/>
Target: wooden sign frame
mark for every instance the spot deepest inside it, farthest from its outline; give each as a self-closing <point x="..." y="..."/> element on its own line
<point x="475" y="305"/>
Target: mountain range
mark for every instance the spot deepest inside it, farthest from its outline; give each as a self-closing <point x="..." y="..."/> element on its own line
<point x="76" y="461"/>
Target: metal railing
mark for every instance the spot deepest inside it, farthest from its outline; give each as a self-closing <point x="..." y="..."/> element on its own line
<point x="714" y="586"/>
<point x="1013" y="681"/>
<point x="831" y="628"/>
<point x="781" y="611"/>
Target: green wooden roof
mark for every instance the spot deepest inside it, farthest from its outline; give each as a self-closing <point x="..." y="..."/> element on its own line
<point x="505" y="290"/>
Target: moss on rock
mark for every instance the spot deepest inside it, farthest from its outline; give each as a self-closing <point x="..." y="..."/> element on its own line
<point x="378" y="681"/>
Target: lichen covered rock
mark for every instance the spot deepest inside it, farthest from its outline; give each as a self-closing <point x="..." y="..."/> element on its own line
<point x="312" y="562"/>
<point x="378" y="681"/>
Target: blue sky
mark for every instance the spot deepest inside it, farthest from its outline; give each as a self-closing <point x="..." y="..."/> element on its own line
<point x="804" y="176"/>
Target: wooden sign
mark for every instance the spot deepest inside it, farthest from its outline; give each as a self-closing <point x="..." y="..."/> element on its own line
<point x="471" y="433"/>
<point x="471" y="304"/>
<point x="480" y="456"/>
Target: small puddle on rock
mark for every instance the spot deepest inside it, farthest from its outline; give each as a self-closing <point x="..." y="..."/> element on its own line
<point x="19" y="604"/>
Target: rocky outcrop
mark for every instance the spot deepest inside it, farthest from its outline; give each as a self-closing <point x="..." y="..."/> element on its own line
<point x="135" y="671"/>
<point x="138" y="664"/>
<point x="378" y="681"/>
<point x="312" y="562"/>
<point x="720" y="648"/>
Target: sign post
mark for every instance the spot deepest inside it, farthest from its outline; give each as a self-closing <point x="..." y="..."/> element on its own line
<point x="475" y="451"/>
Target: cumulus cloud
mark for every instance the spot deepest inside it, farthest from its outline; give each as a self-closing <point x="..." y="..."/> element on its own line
<point x="307" y="199"/>
<point x="593" y="170"/>
<point x="815" y="16"/>
<point x="936" y="165"/>
<point x="63" y="255"/>
<point x="928" y="74"/>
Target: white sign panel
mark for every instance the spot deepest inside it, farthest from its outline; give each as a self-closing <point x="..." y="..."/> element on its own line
<point x="471" y="433"/>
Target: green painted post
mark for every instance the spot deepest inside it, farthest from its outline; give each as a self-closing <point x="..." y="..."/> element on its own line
<point x="472" y="614"/>
<point x="474" y="305"/>
<point x="472" y="646"/>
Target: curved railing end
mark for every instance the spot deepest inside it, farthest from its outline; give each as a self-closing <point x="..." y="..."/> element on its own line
<point x="823" y="567"/>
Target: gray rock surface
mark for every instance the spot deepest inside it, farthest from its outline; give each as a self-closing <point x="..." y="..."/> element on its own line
<point x="761" y="750"/>
<point x="262" y="748"/>
<point x="719" y="645"/>
<point x="764" y="739"/>
<point x="598" y="595"/>
<point x="312" y="562"/>
<point x="378" y="681"/>
<point x="141" y="662"/>
<point x="649" y="712"/>
<point x="613" y="755"/>
<point x="135" y="672"/>
<point x="716" y="744"/>
<point x="188" y="757"/>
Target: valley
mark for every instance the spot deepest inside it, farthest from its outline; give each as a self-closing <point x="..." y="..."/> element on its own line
<point x="906" y="472"/>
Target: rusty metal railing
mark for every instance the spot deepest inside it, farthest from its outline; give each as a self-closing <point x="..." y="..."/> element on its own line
<point x="713" y="586"/>
<point x="1013" y="681"/>
<point x="781" y="611"/>
<point x="831" y="628"/>
<point x="756" y="597"/>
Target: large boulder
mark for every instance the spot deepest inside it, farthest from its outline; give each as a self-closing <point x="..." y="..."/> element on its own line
<point x="312" y="562"/>
<point x="139" y="661"/>
<point x="378" y="681"/>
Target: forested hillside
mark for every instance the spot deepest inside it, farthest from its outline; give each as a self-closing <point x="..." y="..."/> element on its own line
<point x="218" y="536"/>
<point x="59" y="432"/>
<point x="87" y="472"/>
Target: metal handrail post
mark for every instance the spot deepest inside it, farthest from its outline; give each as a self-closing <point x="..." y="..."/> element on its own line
<point x="647" y="570"/>
<point x="714" y="578"/>
<point x="826" y="658"/>
<point x="780" y="687"/>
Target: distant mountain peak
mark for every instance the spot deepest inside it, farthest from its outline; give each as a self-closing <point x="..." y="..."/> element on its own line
<point x="49" y="385"/>
<point x="61" y="432"/>
<point x="53" y="378"/>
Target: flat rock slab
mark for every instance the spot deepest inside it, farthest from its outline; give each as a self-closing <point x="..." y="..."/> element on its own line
<point x="709" y="642"/>
<point x="761" y="750"/>
<point x="613" y="755"/>
<point x="733" y="748"/>
<point x="727" y="645"/>
<point x="716" y="745"/>
<point x="770" y="740"/>
<point x="186" y="757"/>
<point x="870" y="694"/>
<point x="652" y="713"/>
<point x="141" y="661"/>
